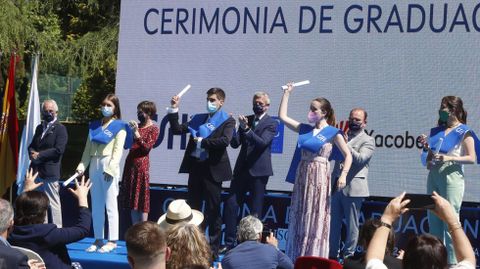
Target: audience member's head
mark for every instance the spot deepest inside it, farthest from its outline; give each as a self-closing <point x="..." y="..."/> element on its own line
<point x="367" y="231"/>
<point x="425" y="251"/>
<point x="189" y="246"/>
<point x="249" y="229"/>
<point x="31" y="208"/>
<point x="146" y="246"/>
<point x="180" y="212"/>
<point x="6" y="216"/>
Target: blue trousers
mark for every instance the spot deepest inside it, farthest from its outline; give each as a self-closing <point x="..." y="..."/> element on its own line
<point x="238" y="189"/>
<point x="349" y="208"/>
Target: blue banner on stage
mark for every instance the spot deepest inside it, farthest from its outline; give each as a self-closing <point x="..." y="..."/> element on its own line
<point x="277" y="142"/>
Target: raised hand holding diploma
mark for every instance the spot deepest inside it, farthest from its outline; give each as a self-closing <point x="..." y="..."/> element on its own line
<point x="175" y="101"/>
<point x="296" y="84"/>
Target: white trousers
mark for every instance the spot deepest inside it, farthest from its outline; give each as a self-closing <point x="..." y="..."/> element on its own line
<point x="104" y="195"/>
<point x="52" y="190"/>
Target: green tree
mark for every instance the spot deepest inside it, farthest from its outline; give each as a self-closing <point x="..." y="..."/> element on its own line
<point x="75" y="38"/>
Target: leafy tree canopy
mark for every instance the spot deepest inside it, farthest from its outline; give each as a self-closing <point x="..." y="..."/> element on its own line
<point x="77" y="38"/>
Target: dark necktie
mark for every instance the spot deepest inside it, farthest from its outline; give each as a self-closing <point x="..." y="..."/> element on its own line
<point x="255" y="122"/>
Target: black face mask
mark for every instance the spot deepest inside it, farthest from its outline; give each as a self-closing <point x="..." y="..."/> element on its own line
<point x="47" y="116"/>
<point x="258" y="109"/>
<point x="141" y="117"/>
<point x="354" y="125"/>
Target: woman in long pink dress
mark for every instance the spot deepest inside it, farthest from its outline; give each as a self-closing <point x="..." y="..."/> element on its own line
<point x="135" y="186"/>
<point x="309" y="220"/>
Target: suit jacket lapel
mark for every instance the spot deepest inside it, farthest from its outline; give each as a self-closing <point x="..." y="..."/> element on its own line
<point x="356" y="139"/>
<point x="50" y="129"/>
<point x="261" y="122"/>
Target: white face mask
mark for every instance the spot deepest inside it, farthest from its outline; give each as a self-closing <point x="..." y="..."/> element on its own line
<point x="107" y="111"/>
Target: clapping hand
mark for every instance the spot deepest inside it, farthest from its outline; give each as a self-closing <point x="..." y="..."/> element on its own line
<point x="134" y="126"/>
<point x="243" y="121"/>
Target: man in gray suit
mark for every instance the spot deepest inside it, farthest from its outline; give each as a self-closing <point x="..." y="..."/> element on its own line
<point x="347" y="197"/>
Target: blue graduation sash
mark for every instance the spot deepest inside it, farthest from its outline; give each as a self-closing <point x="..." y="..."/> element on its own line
<point x="336" y="154"/>
<point x="453" y="138"/>
<point x="104" y="136"/>
<point x="199" y="128"/>
<point x="307" y="141"/>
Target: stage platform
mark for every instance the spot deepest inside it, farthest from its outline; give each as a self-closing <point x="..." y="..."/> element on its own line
<point x="116" y="259"/>
<point x="275" y="217"/>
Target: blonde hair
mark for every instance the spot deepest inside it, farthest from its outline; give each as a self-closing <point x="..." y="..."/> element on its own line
<point x="188" y="246"/>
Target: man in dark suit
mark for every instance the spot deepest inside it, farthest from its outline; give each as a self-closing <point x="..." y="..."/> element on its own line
<point x="46" y="150"/>
<point x="9" y="257"/>
<point x="253" y="254"/>
<point x="206" y="159"/>
<point x="253" y="166"/>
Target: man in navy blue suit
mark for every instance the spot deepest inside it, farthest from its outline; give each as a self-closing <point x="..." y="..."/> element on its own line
<point x="46" y="151"/>
<point x="9" y="257"/>
<point x="253" y="166"/>
<point x="252" y="254"/>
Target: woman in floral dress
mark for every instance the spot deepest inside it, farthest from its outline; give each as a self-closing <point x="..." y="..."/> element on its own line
<point x="135" y="186"/>
<point x="309" y="220"/>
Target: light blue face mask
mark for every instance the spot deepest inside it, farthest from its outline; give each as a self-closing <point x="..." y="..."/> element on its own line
<point x="107" y="111"/>
<point x="211" y="107"/>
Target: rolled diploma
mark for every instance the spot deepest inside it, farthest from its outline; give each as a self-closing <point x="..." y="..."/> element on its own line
<point x="184" y="90"/>
<point x="438" y="146"/>
<point x="296" y="84"/>
<point x="70" y="179"/>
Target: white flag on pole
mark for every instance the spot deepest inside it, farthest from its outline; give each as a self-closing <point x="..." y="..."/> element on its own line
<point x="33" y="120"/>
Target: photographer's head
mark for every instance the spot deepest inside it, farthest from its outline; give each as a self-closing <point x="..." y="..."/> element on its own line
<point x="425" y="251"/>
<point x="249" y="229"/>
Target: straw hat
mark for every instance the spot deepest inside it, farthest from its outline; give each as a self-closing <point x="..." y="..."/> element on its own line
<point x="180" y="212"/>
